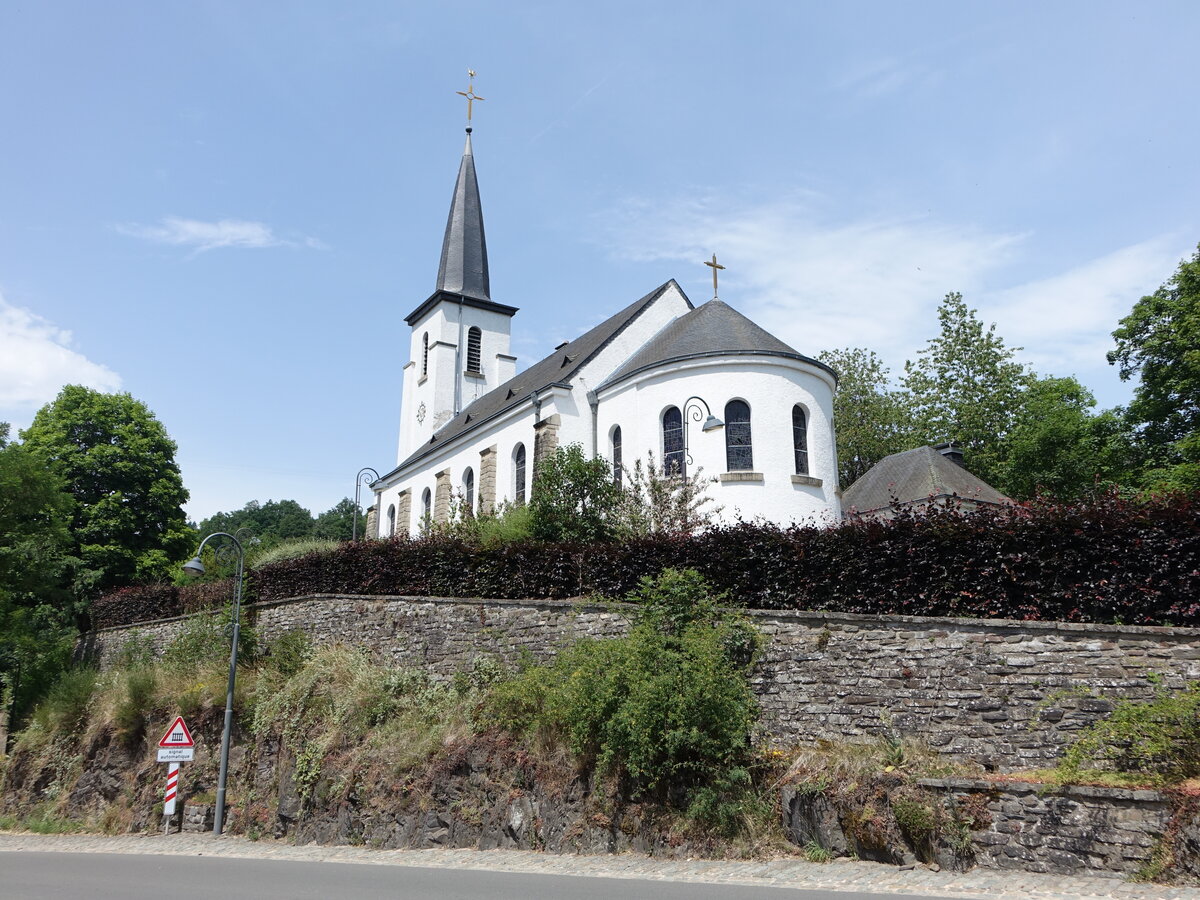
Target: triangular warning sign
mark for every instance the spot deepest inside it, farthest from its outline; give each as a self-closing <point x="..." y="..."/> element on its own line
<point x="177" y="735"/>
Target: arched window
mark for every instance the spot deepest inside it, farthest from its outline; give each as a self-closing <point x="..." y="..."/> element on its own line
<point x="474" y="345"/>
<point x="739" y="453"/>
<point x="469" y="490"/>
<point x="672" y="424"/>
<point x="800" y="438"/>
<point x="616" y="455"/>
<point x="391" y="520"/>
<point x="519" y="474"/>
<point x="425" y="354"/>
<point x="426" y="504"/>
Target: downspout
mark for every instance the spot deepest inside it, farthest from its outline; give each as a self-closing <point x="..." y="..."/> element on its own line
<point x="594" y="403"/>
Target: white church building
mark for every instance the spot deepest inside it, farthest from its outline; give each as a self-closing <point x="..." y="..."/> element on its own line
<point x="699" y="386"/>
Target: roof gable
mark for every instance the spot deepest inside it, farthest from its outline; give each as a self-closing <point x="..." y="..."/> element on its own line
<point x="557" y="368"/>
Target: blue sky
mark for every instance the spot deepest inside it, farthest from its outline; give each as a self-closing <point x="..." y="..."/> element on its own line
<point x="228" y="208"/>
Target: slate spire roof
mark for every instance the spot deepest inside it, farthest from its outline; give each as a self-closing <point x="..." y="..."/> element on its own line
<point x="714" y="329"/>
<point x="464" y="265"/>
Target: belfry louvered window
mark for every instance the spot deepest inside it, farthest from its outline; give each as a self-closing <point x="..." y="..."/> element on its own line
<point x="474" y="350"/>
<point x="800" y="439"/>
<point x="519" y="474"/>
<point x="673" y="456"/>
<point x="425" y="354"/>
<point x="739" y="453"/>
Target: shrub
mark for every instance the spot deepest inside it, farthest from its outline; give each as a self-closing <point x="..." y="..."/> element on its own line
<point x="66" y="704"/>
<point x="134" y="704"/>
<point x="1160" y="737"/>
<point x="574" y="498"/>
<point x="204" y="638"/>
<point x="668" y="707"/>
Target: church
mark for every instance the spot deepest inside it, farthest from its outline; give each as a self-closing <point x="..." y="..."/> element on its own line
<point x="700" y="387"/>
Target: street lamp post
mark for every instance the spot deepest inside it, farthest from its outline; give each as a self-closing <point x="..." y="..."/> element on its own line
<point x="692" y="412"/>
<point x="358" y="483"/>
<point x="196" y="567"/>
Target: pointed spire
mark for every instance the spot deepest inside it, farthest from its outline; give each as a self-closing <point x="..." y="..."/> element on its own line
<point x="464" y="266"/>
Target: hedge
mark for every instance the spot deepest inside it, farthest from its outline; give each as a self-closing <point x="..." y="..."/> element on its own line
<point x="1107" y="560"/>
<point x="143" y="602"/>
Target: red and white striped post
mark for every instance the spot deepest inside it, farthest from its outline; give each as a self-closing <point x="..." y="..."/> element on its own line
<point x="172" y="789"/>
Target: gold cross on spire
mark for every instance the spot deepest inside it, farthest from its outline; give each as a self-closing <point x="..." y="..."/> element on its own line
<point x="469" y="93"/>
<point x="715" y="265"/>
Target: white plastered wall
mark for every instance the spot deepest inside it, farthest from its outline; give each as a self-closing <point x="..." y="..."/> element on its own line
<point x="771" y="386"/>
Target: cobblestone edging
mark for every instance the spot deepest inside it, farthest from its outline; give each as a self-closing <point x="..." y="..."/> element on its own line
<point x="1004" y="693"/>
<point x="786" y="872"/>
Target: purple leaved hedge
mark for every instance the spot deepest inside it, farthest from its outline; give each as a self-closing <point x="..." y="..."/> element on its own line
<point x="1105" y="560"/>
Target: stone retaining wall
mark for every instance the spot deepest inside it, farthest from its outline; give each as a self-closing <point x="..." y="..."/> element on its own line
<point x="1005" y="694"/>
<point x="1076" y="830"/>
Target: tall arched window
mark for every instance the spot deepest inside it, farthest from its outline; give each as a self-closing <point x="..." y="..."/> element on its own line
<point x="391" y="520"/>
<point x="739" y="452"/>
<point x="426" y="504"/>
<point x="519" y="474"/>
<point x="800" y="438"/>
<point x="673" y="460"/>
<point x="616" y="455"/>
<point x="469" y="490"/>
<point x="425" y="354"/>
<point x="474" y="349"/>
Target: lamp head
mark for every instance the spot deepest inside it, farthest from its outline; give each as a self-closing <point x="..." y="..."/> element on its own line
<point x="712" y="423"/>
<point x="194" y="567"/>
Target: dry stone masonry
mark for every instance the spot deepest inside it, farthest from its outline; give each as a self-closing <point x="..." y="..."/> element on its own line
<point x="1005" y="694"/>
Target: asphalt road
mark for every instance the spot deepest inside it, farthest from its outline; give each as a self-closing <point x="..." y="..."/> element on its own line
<point x="26" y="875"/>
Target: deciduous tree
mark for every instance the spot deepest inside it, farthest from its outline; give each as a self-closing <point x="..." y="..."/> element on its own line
<point x="965" y="386"/>
<point x="1158" y="343"/>
<point x="118" y="462"/>
<point x="872" y="419"/>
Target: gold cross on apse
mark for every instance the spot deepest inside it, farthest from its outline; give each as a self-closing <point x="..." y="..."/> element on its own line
<point x="715" y="266"/>
<point x="469" y="93"/>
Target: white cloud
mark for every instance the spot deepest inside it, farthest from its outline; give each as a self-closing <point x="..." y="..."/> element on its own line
<point x="1065" y="322"/>
<point x="819" y="282"/>
<point x="818" y="285"/>
<point x="36" y="360"/>
<point x="203" y="236"/>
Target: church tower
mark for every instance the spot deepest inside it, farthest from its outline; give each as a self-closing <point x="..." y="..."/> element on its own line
<point x="459" y="346"/>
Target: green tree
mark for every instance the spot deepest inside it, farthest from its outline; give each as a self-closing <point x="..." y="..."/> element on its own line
<point x="269" y="523"/>
<point x="1158" y="343"/>
<point x="965" y="386"/>
<point x="574" y="498"/>
<point x="337" y="522"/>
<point x="1058" y="446"/>
<point x="118" y="462"/>
<point x="872" y="420"/>
<point x="37" y="607"/>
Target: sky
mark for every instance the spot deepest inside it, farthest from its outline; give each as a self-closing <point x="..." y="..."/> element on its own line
<point x="227" y="208"/>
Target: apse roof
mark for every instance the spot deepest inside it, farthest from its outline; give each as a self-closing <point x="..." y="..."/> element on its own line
<point x="714" y="329"/>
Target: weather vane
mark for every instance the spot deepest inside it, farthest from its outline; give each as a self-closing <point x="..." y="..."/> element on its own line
<point x="469" y="93"/>
<point x="714" y="265"/>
